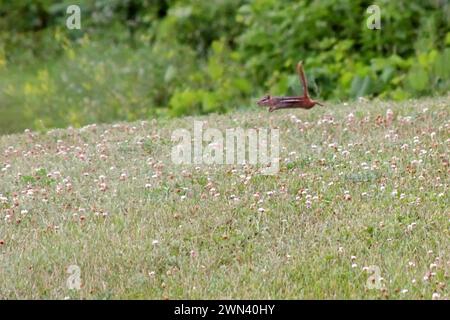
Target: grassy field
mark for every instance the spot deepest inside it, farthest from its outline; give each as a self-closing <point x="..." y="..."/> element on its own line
<point x="358" y="187"/>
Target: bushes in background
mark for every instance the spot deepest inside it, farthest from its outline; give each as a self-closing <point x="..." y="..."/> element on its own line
<point x="139" y="59"/>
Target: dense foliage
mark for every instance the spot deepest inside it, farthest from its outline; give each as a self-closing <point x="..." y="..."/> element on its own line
<point x="135" y="59"/>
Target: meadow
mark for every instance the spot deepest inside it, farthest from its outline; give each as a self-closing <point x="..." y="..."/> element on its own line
<point x="362" y="186"/>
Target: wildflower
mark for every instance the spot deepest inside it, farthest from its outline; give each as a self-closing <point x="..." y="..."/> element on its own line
<point x="411" y="226"/>
<point x="155" y="242"/>
<point x="347" y="195"/>
<point x="103" y="186"/>
<point x="427" y="276"/>
<point x="350" y="118"/>
<point x="308" y="204"/>
<point x="435" y="296"/>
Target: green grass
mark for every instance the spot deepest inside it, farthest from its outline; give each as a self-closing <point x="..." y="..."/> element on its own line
<point x="368" y="189"/>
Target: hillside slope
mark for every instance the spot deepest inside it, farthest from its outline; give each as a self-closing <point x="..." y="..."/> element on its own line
<point x="360" y="190"/>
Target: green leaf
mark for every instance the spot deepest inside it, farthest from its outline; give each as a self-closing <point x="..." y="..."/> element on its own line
<point x="418" y="79"/>
<point x="360" y="86"/>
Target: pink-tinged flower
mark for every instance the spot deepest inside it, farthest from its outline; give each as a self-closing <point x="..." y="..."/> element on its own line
<point x="148" y="186"/>
<point x="193" y="254"/>
<point x="347" y="196"/>
<point x="261" y="210"/>
<point x="123" y="176"/>
<point x="308" y="204"/>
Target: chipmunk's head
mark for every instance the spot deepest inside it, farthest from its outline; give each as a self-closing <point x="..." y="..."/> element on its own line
<point x="264" y="101"/>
